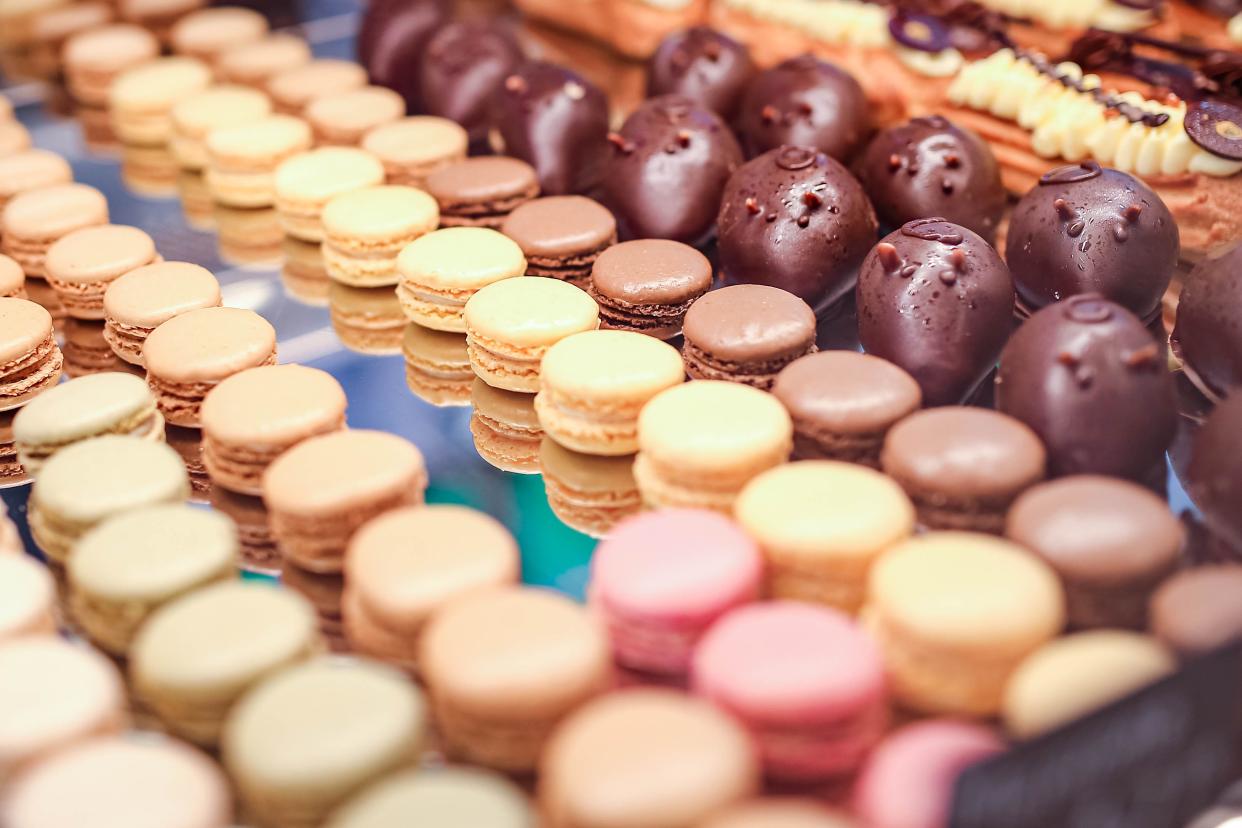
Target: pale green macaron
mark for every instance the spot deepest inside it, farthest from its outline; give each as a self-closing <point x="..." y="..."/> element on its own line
<point x="448" y="796"/>
<point x="89" y="406"/>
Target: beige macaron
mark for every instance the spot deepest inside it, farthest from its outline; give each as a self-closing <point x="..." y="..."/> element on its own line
<point x="217" y="107"/>
<point x="242" y="159"/>
<point x="344" y="118"/>
<point x="82" y="264"/>
<point x="294" y="88"/>
<point x="143" y="299"/>
<point x="254" y="63"/>
<point x="441" y="271"/>
<point x="141" y="99"/>
<point x="208" y="33"/>
<point x="413" y="148"/>
<point x="305" y="184"/>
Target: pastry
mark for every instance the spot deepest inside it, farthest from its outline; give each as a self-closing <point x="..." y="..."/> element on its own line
<point x="365" y="229"/>
<point x="648" y="285"/>
<point x="143" y="299"/>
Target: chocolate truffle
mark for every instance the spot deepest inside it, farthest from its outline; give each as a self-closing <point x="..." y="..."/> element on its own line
<point x="557" y="121"/>
<point x="667" y="170"/>
<point x="1086" y="229"/>
<point x="931" y="167"/>
<point x="705" y="66"/>
<point x="937" y="300"/>
<point x="746" y="333"/>
<point x="462" y="67"/>
<point x="843" y="403"/>
<point x="807" y="102"/>
<point x="1088" y="378"/>
<point x="795" y="219"/>
<point x="647" y="285"/>
<point x="1215" y="474"/>
<point x="392" y="39"/>
<point x="1208" y="336"/>
<point x="1110" y="541"/>
<point x="1198" y="610"/>
<point x="962" y="467"/>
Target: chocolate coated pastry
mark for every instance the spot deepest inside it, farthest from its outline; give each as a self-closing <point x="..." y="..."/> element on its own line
<point x="1208" y="334"/>
<point x="705" y="66"/>
<point x="462" y="67"/>
<point x="391" y="41"/>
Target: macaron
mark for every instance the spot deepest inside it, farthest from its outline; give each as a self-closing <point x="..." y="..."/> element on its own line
<point x="1111" y="542"/>
<point x="482" y="191"/>
<point x="27" y="591"/>
<point x="257" y="546"/>
<point x="323" y="489"/>
<point x="746" y="333"/>
<point x="505" y="428"/>
<point x="81" y="264"/>
<point x="343" y="118"/>
<point x="254" y="416"/>
<point x="87" y="351"/>
<point x="822" y="524"/>
<point x="86" y="407"/>
<point x="141" y="99"/>
<point x="701" y="442"/>
<point x="663" y="578"/>
<point x="12" y="279"/>
<point x="242" y="160"/>
<point x="254" y="63"/>
<point x="1195" y="611"/>
<point x="158" y="15"/>
<point x="368" y="320"/>
<point x="120" y="781"/>
<point x="143" y="299"/>
<point x="441" y="271"/>
<point x="440" y="796"/>
<point x="34" y="220"/>
<point x="1078" y="674"/>
<point x="207" y="33"/>
<point x="561" y="236"/>
<point x="11" y="471"/>
<point x="188" y="443"/>
<point x="504" y="666"/>
<point x="191" y="353"/>
<point x="622" y="760"/>
<point x="311" y="736"/>
<point x="41" y="293"/>
<point x="955" y="614"/>
<point x="843" y="403"/>
<point x="364" y="230"/>
<point x="512" y="323"/>
<point x="589" y="493"/>
<point x="648" y="285"/>
<point x="294" y="88"/>
<point x="780" y="812"/>
<point x="437" y="365"/>
<point x="908" y="781"/>
<point x="404" y="565"/>
<point x="134" y="563"/>
<point x="197" y="655"/>
<point x="55" y="693"/>
<point x="963" y="467"/>
<point x="305" y="184"/>
<point x="31" y="169"/>
<point x="88" y="482"/>
<point x="413" y="148"/>
<point x="30" y="360"/>
<point x="594" y="384"/>
<point x="51" y="28"/>
<point x="218" y="107"/>
<point x="94" y="58"/>
<point x="806" y="681"/>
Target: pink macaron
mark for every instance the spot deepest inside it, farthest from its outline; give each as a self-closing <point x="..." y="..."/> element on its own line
<point x="806" y="681"/>
<point x="908" y="780"/>
<point x="662" y="578"/>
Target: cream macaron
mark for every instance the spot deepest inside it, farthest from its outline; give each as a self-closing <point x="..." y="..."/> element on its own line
<point x="511" y="324"/>
<point x="130" y="565"/>
<point x="305" y="184"/>
<point x="217" y="107"/>
<point x="81" y="265"/>
<point x="442" y="270"/>
<point x="365" y="230"/>
<point x="143" y="299"/>
<point x="242" y="159"/>
<point x="141" y="99"/>
<point x="441" y="796"/>
<point x="90" y="406"/>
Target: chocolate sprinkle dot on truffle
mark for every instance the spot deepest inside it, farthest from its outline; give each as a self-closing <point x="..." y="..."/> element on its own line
<point x="1075" y="229"/>
<point x="1064" y="210"/>
<point x="623" y="146"/>
<point x="752" y="206"/>
<point x="1120" y="233"/>
<point x="1132" y="213"/>
<point x="889" y="257"/>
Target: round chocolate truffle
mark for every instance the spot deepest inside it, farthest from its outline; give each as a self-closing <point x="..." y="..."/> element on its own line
<point x="705" y="66"/>
<point x="1208" y="334"/>
<point x="808" y="102"/>
<point x="557" y="121"/>
<point x="463" y="65"/>
<point x="1215" y="474"/>
<point x="795" y="219"/>
<point x="936" y="299"/>
<point x="931" y="167"/>
<point x="1090" y="380"/>
<point x="667" y="170"/>
<point x="392" y="39"/>
<point x="1086" y="229"/>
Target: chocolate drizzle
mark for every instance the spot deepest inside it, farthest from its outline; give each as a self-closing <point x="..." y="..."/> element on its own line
<point x="1127" y="110"/>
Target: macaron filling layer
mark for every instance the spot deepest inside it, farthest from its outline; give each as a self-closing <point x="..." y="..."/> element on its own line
<point x="182" y="402"/>
<point x="34" y="370"/>
<point x="146" y="423"/>
<point x="317" y="542"/>
<point x="701" y="364"/>
<point x="659" y="320"/>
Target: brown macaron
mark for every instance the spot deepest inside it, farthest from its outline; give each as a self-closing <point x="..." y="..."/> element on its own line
<point x="1112" y="542"/>
<point x="843" y="403"/>
<point x="647" y="285"/>
<point x="562" y="236"/>
<point x="1197" y="610"/>
<point x="963" y="467"/>
<point x="483" y="191"/>
<point x="747" y="333"/>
